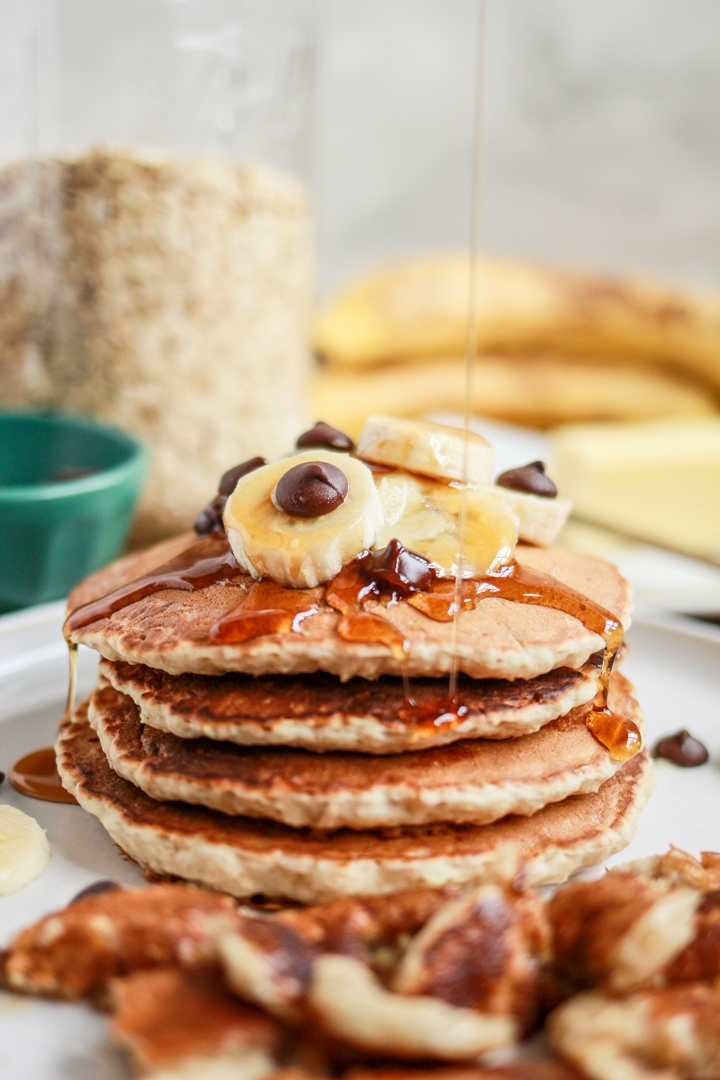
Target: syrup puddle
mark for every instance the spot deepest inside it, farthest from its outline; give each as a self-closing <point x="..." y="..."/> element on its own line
<point x="36" y="775"/>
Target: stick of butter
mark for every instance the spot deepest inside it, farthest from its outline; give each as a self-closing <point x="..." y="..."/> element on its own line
<point x="657" y="480"/>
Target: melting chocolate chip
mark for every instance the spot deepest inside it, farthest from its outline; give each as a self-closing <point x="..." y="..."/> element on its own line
<point x="400" y="570"/>
<point x="529" y="478"/>
<point x="325" y="435"/>
<point x="682" y="749"/>
<point x="2" y="776"/>
<point x="311" y="489"/>
<point x="96" y="889"/>
<point x="211" y="518"/>
<point x="228" y="481"/>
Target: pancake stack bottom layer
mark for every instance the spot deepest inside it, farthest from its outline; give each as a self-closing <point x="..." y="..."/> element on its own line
<point x="245" y="768"/>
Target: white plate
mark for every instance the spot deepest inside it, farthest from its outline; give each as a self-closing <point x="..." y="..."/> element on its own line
<point x="674" y="663"/>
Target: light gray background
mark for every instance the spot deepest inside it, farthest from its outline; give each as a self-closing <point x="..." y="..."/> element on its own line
<point x="602" y="131"/>
<point x="601" y="119"/>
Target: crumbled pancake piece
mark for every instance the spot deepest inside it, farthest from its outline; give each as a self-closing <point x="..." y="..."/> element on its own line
<point x="700" y="959"/>
<point x="360" y="926"/>
<point x="348" y="1003"/>
<point x="170" y="1018"/>
<point x="620" y="931"/>
<point x="268" y="964"/>
<point x="74" y="952"/>
<point x="268" y="960"/>
<point x="485" y="951"/>
<point x="552" y="1069"/>
<point x="680" y="868"/>
<point x="667" y="1034"/>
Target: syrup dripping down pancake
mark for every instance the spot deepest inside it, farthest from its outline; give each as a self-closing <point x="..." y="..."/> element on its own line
<point x="244" y="856"/>
<point x="499" y="638"/>
<point x="475" y="780"/>
<point x="317" y="712"/>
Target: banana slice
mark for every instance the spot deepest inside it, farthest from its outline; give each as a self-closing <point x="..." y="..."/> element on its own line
<point x="424" y="516"/>
<point x="539" y="519"/>
<point x="24" y="850"/>
<point x="430" y="449"/>
<point x="301" y="551"/>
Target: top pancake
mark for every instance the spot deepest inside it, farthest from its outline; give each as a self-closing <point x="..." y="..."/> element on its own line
<point x="498" y="638"/>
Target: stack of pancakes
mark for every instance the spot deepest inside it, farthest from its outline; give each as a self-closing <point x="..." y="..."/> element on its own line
<point x="293" y="765"/>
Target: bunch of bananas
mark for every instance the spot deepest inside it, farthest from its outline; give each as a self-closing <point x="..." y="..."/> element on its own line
<point x="551" y="346"/>
<point x="299" y="520"/>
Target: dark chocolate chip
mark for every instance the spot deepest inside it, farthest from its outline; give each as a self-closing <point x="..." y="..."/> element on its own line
<point x="211" y="518"/>
<point x="529" y="478"/>
<point x="311" y="489"/>
<point x="96" y="889"/>
<point x="399" y="569"/>
<point x="682" y="749"/>
<point x="2" y="776"/>
<point x="325" y="435"/>
<point x="228" y="480"/>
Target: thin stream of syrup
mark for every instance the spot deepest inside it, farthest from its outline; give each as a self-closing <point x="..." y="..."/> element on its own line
<point x="36" y="773"/>
<point x="470" y="343"/>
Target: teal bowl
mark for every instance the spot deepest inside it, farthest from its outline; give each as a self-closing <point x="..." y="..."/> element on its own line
<point x="68" y="488"/>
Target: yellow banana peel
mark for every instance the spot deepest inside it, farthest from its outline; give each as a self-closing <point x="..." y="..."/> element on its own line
<point x="534" y="391"/>
<point x="418" y="309"/>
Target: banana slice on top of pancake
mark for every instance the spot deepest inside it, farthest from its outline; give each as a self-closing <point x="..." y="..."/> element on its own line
<point x="444" y="453"/>
<point x="301" y="519"/>
<point x="425" y="516"/>
<point x="434" y="452"/>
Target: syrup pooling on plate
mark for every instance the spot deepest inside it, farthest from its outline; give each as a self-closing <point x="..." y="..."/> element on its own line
<point x="36" y="775"/>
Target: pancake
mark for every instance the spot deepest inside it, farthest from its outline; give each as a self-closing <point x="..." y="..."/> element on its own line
<point x="244" y="856"/>
<point x="497" y="639"/>
<point x="319" y="713"/>
<point x="476" y="780"/>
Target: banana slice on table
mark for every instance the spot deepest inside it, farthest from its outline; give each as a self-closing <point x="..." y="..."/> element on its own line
<point x="430" y="449"/>
<point x="301" y="519"/>
<point x="539" y="519"/>
<point x="424" y="516"/>
<point x="24" y="850"/>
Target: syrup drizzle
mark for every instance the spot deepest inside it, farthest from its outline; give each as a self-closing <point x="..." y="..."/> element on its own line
<point x="267" y="608"/>
<point x="209" y="561"/>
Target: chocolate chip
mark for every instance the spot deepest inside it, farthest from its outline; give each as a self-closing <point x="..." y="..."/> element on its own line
<point x="228" y="481"/>
<point x="529" y="478"/>
<point x="399" y="569"/>
<point x="682" y="749"/>
<point x="211" y="518"/>
<point x="2" y="776"/>
<point x="311" y="489"/>
<point x="325" y="435"/>
<point x="96" y="889"/>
